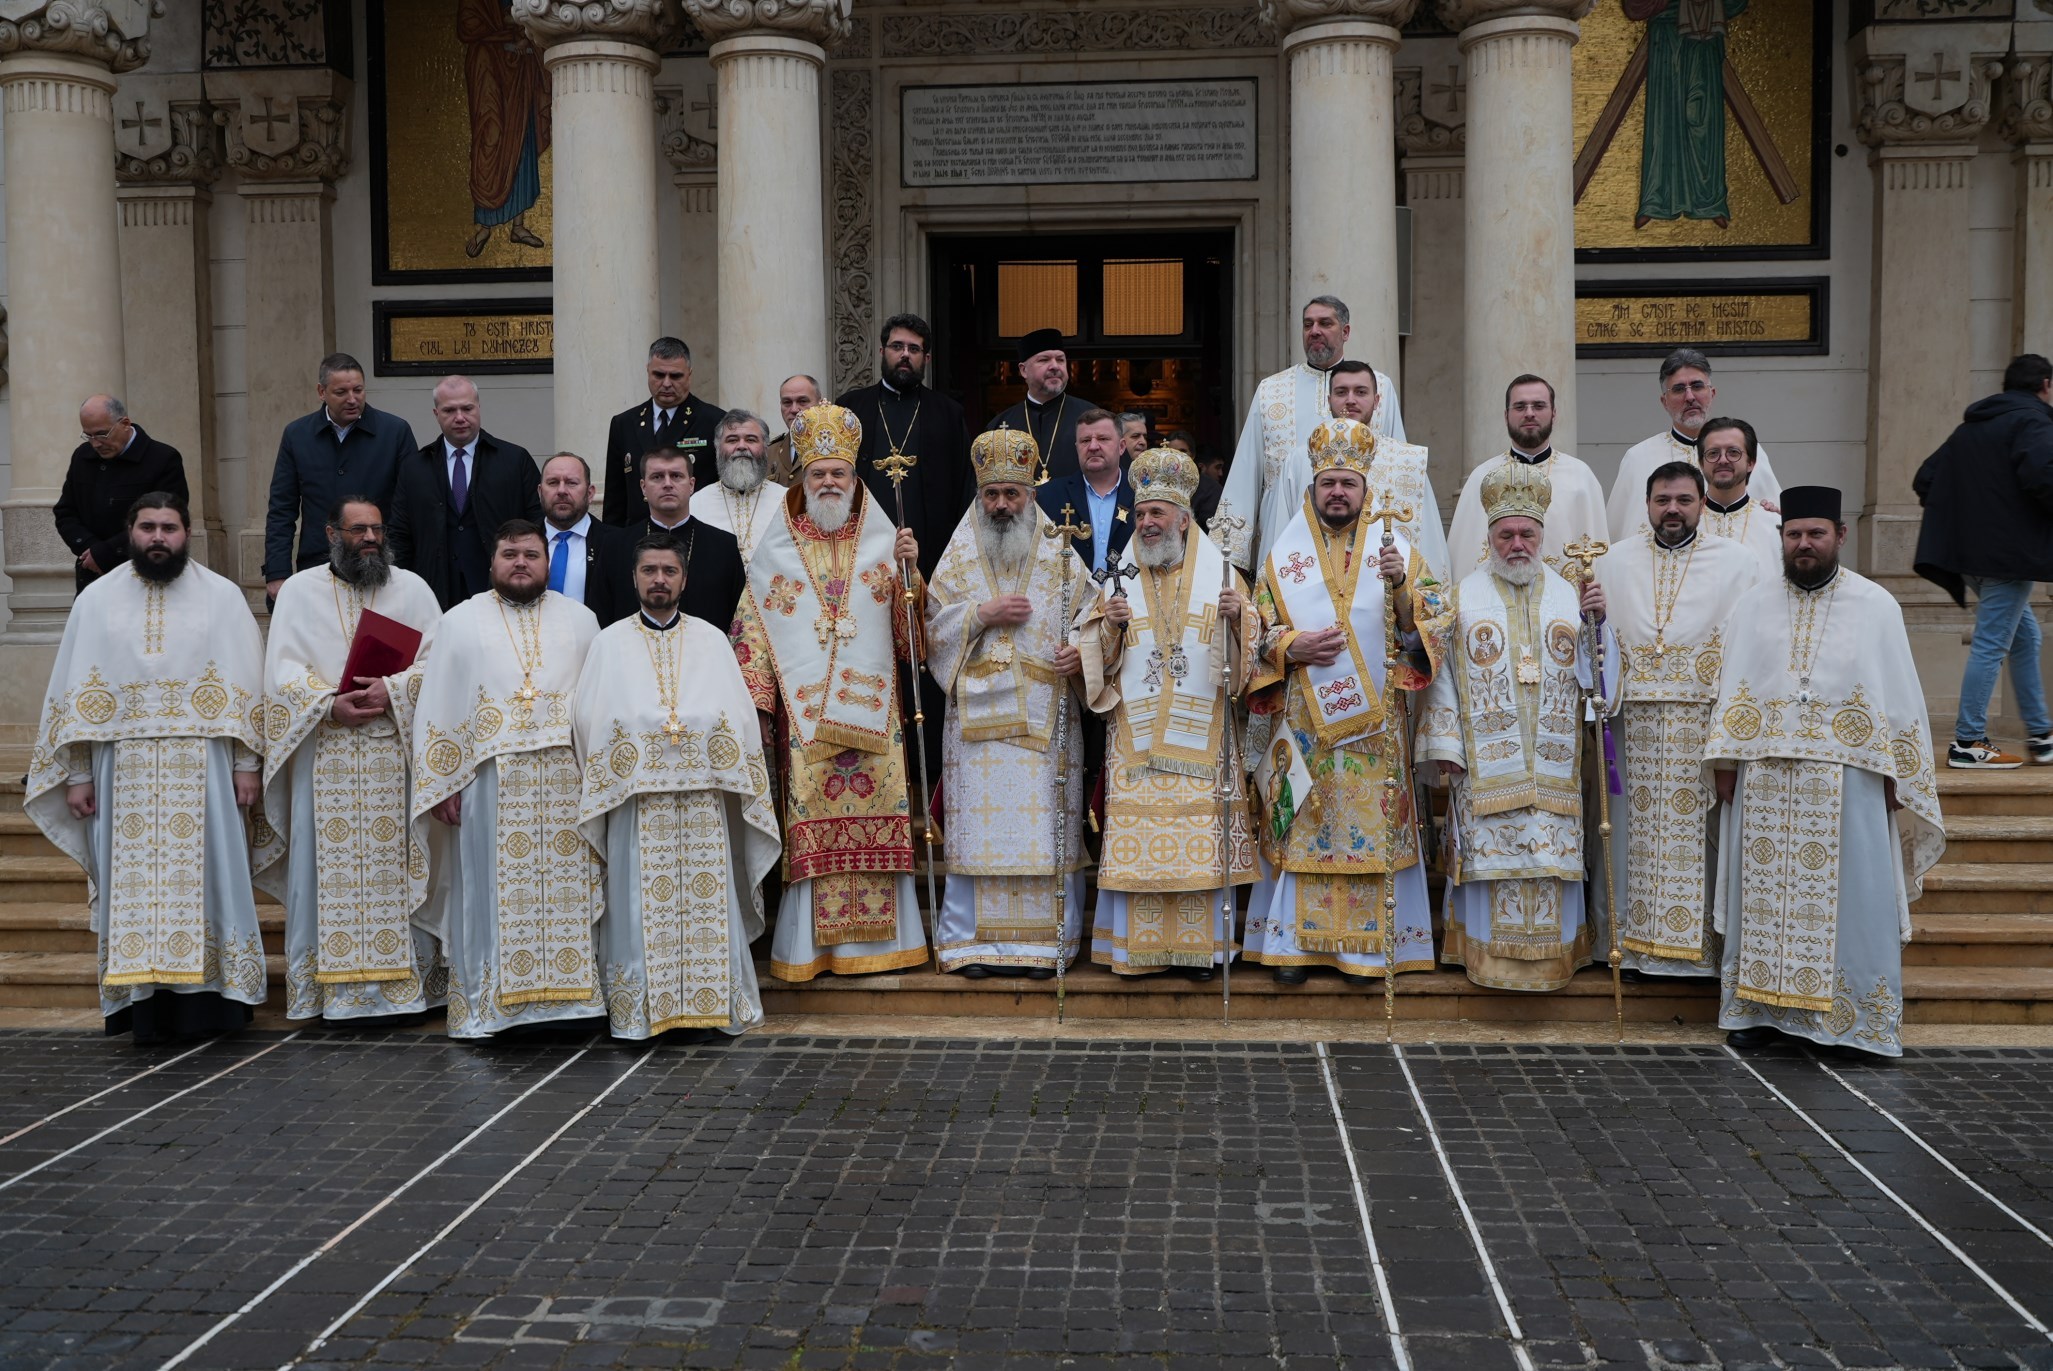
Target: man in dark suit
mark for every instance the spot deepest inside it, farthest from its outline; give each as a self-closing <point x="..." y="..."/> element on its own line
<point x="1049" y="412"/>
<point x="343" y="448"/>
<point x="672" y="418"/>
<point x="454" y="493"/>
<point x="1098" y="494"/>
<point x="116" y="463"/>
<point x="589" y="560"/>
<point x="713" y="570"/>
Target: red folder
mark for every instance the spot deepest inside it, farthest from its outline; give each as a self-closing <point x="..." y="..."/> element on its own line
<point x="382" y="647"/>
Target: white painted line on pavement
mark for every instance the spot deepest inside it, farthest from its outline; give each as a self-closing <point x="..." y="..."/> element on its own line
<point x="169" y="1061"/>
<point x="473" y="1207"/>
<point x="1361" y="1207"/>
<point x="325" y="1248"/>
<point x="2031" y="1319"/>
<point x="140" y="1113"/>
<point x="1475" y="1232"/>
<point x="1936" y="1155"/>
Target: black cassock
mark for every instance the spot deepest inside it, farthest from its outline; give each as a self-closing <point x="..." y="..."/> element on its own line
<point x="1052" y="427"/>
<point x="929" y="426"/>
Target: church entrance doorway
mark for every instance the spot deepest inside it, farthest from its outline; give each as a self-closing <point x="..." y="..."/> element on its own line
<point x="1149" y="316"/>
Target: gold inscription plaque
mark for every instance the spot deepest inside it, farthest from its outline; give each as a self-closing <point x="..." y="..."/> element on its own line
<point x="423" y="341"/>
<point x="1651" y="322"/>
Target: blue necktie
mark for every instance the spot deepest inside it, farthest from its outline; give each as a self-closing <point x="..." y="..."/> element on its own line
<point x="559" y="562"/>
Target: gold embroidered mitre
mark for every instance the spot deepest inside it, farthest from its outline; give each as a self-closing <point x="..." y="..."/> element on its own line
<point x="1343" y="445"/>
<point x="1164" y="474"/>
<point x="1516" y="488"/>
<point x="1005" y="456"/>
<point x="823" y="433"/>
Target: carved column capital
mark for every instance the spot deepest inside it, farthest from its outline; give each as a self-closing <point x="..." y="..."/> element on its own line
<point x="1928" y="83"/>
<point x="2027" y="98"/>
<point x="646" y="23"/>
<point x="690" y="156"/>
<point x="289" y="124"/>
<point x="114" y="33"/>
<point x="1462" y="14"/>
<point x="1282" y="16"/>
<point x="814" y="21"/>
<point x="164" y="131"/>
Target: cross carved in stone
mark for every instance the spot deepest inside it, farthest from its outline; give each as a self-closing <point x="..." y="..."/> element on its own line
<point x="1938" y="75"/>
<point x="271" y="117"/>
<point x="1454" y="88"/>
<point x="710" y="106"/>
<point x="141" y="125"/>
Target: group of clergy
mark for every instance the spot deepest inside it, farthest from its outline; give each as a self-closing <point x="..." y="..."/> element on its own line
<point x="536" y="820"/>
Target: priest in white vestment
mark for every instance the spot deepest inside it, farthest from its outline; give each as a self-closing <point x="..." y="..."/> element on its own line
<point x="1155" y="667"/>
<point x="677" y="798"/>
<point x="1687" y="395"/>
<point x="1668" y="593"/>
<point x="822" y="630"/>
<point x="1399" y="477"/>
<point x="338" y="783"/>
<point x="998" y="613"/>
<point x="1820" y="751"/>
<point x="1344" y="881"/>
<point x="744" y="501"/>
<point x="1577" y="511"/>
<point x="514" y="888"/>
<point x="150" y="747"/>
<point x="1503" y="719"/>
<point x="1270" y="470"/>
<point x="1730" y="509"/>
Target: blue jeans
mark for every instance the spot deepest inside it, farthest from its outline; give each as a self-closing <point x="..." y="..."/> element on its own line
<point x="2004" y="627"/>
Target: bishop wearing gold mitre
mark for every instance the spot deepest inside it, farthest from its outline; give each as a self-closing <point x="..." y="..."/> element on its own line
<point x="822" y="628"/>
<point x="1503" y="719"/>
<point x="1166" y="669"/>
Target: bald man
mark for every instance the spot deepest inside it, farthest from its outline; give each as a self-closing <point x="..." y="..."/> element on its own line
<point x="454" y="493"/>
<point x="116" y="463"/>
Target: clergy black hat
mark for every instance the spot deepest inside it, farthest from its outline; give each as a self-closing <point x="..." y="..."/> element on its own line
<point x="1810" y="502"/>
<point x="1039" y="341"/>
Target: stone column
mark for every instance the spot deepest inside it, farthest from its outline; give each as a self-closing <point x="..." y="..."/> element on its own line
<point x="2028" y="128"/>
<point x="167" y="157"/>
<point x="1925" y="99"/>
<point x="1432" y="135"/>
<point x="602" y="64"/>
<point x="57" y="65"/>
<point x="1520" y="210"/>
<point x="1343" y="161"/>
<point x="694" y="172"/>
<point x="773" y="224"/>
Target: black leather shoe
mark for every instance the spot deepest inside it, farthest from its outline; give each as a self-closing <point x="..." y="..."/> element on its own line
<point x="1743" y="1039"/>
<point x="1292" y="975"/>
<point x="975" y="972"/>
<point x="1628" y="976"/>
<point x="1200" y="974"/>
<point x="1040" y="973"/>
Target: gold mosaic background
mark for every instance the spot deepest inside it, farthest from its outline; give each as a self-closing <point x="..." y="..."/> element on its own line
<point x="427" y="151"/>
<point x="1770" y="46"/>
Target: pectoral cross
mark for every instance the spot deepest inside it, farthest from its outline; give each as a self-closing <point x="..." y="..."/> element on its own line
<point x="527" y="694"/>
<point x="673" y="729"/>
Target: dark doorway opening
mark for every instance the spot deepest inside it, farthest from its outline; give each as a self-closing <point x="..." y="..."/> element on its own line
<point x="1149" y="316"/>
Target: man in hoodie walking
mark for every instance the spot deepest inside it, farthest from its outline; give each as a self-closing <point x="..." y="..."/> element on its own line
<point x="1988" y="498"/>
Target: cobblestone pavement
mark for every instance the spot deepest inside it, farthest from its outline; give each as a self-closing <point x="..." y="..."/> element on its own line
<point x="362" y="1199"/>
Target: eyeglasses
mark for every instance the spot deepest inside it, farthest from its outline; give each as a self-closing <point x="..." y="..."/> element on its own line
<point x="1682" y="388"/>
<point x="98" y="435"/>
<point x="363" y="530"/>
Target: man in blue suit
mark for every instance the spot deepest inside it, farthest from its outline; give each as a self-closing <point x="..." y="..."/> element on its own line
<point x="1098" y="493"/>
<point x="343" y="447"/>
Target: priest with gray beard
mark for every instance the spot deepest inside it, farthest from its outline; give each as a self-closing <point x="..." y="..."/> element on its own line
<point x="745" y="500"/>
<point x="997" y="614"/>
<point x="335" y="847"/>
<point x="150" y="745"/>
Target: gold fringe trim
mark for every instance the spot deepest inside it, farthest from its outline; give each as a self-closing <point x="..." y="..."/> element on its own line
<point x="155" y="978"/>
<point x="690" y="1021"/>
<point x="546" y="997"/>
<point x="1526" y="952"/>
<point x="995" y="733"/>
<point x="1176" y="766"/>
<point x="360" y="977"/>
<point x="843" y="738"/>
<point x="1820" y="1003"/>
<point x="849" y="966"/>
<point x="1360" y="944"/>
<point x="1665" y="951"/>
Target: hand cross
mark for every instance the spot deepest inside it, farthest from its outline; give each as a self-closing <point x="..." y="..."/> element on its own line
<point x="1585" y="551"/>
<point x="1402" y="514"/>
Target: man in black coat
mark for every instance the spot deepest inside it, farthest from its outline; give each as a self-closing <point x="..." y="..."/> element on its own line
<point x="116" y="463"/>
<point x="673" y="417"/>
<point x="899" y="413"/>
<point x="343" y="448"/>
<point x="453" y="494"/>
<point x="713" y="570"/>
<point x="1988" y="498"/>
<point x="1098" y="496"/>
<point x="1049" y="412"/>
<point x="590" y="560"/>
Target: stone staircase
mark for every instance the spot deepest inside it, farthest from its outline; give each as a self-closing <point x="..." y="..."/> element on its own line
<point x="1982" y="952"/>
